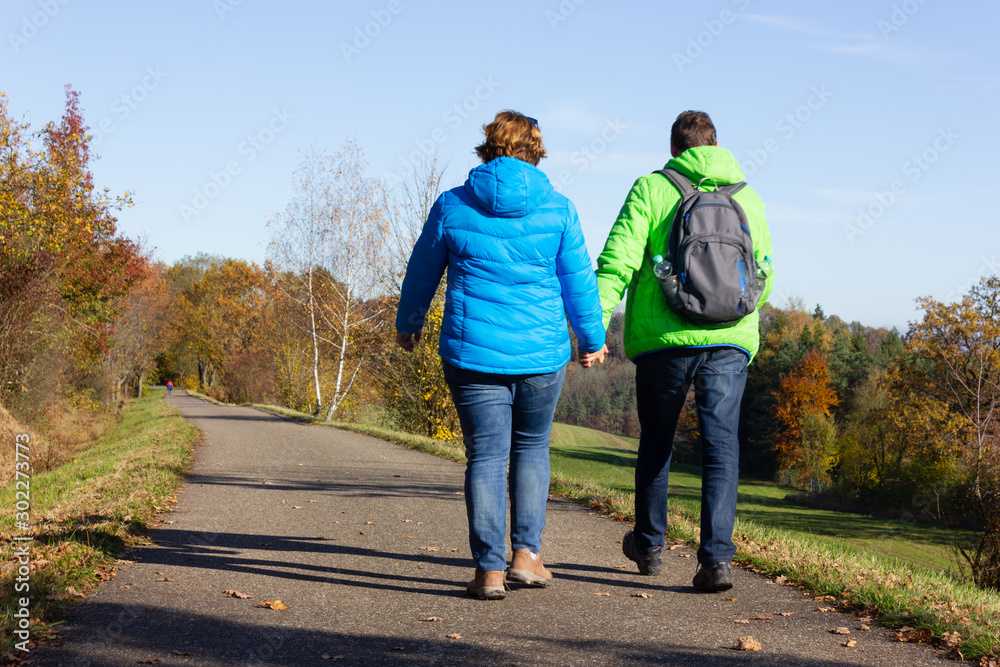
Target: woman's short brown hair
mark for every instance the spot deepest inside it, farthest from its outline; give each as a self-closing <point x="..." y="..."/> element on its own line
<point x="512" y="134"/>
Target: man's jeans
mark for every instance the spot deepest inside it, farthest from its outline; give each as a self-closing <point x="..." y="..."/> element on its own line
<point x="662" y="379"/>
<point x="505" y="417"/>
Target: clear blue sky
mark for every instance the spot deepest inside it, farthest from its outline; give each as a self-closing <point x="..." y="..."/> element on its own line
<point x="868" y="128"/>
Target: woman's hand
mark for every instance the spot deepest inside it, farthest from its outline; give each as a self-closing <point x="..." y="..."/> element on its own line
<point x="408" y="341"/>
<point x="587" y="359"/>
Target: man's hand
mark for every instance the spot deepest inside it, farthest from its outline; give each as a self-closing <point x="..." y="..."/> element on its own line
<point x="587" y="359"/>
<point x="407" y="341"/>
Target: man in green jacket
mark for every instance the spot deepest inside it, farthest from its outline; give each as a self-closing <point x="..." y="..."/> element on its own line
<point x="671" y="353"/>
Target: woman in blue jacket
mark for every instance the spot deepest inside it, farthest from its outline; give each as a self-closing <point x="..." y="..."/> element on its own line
<point x="517" y="266"/>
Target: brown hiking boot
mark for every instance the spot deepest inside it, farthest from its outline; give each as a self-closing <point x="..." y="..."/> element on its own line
<point x="527" y="568"/>
<point x="487" y="585"/>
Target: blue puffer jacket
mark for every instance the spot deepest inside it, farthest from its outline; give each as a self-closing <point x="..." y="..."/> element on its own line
<point x="517" y="265"/>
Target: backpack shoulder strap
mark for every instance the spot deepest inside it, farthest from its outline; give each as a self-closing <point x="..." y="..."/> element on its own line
<point x="679" y="180"/>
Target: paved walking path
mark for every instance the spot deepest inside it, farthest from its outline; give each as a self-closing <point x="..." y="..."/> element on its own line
<point x="363" y="540"/>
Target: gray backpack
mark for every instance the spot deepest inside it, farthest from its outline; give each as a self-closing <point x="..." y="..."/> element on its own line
<point x="711" y="252"/>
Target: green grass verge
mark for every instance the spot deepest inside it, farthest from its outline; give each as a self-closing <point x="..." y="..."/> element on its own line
<point x="86" y="512"/>
<point x="897" y="573"/>
<point x="608" y="461"/>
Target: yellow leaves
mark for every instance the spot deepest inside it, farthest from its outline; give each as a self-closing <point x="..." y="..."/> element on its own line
<point x="238" y="595"/>
<point x="748" y="644"/>
<point x="277" y="605"/>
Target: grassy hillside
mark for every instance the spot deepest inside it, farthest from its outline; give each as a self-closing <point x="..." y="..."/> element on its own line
<point x="608" y="461"/>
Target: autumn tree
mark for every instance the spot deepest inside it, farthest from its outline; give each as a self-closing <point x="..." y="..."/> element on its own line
<point x="959" y="344"/>
<point x="64" y="268"/>
<point x="144" y="329"/>
<point x="804" y="401"/>
<point x="897" y="439"/>
<point x="412" y="384"/>
<point x="224" y="315"/>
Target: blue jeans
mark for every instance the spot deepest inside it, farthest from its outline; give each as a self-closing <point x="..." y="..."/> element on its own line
<point x="662" y="379"/>
<point x="505" y="418"/>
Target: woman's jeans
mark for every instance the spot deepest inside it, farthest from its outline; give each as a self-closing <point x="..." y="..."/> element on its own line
<point x="505" y="418"/>
<point x="662" y="379"/>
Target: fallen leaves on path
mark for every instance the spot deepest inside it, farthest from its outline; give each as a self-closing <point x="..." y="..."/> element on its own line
<point x="150" y="661"/>
<point x="781" y="580"/>
<point x="639" y="595"/>
<point x="865" y="628"/>
<point x="455" y="635"/>
<point x="742" y="621"/>
<point x="165" y="579"/>
<point x="763" y="617"/>
<point x="827" y="610"/>
<point x="951" y="639"/>
<point x="431" y="619"/>
<point x="786" y="613"/>
<point x="850" y="643"/>
<point x="277" y="605"/>
<point x="176" y="652"/>
<point x="747" y="644"/>
<point x="602" y="594"/>
<point x="431" y="548"/>
<point x="238" y="595"/>
<point x="369" y="523"/>
<point x="327" y="656"/>
<point x="840" y="631"/>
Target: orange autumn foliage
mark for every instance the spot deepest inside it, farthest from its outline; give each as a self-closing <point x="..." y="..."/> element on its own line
<point x="806" y="390"/>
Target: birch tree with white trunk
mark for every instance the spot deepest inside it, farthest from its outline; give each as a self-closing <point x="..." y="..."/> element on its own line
<point x="329" y="245"/>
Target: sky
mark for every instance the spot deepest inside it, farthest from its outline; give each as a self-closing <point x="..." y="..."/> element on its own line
<point x="869" y="128"/>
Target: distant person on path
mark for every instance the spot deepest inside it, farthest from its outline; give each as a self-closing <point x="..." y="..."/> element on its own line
<point x="671" y="352"/>
<point x="170" y="388"/>
<point x="517" y="266"/>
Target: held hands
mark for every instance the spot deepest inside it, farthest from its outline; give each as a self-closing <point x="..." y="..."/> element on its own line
<point x="408" y="341"/>
<point x="587" y="359"/>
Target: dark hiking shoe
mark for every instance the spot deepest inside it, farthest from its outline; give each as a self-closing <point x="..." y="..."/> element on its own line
<point x="650" y="562"/>
<point x="713" y="578"/>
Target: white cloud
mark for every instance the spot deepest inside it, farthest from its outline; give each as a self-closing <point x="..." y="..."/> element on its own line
<point x="861" y="44"/>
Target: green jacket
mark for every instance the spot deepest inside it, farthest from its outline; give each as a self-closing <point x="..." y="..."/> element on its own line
<point x="644" y="223"/>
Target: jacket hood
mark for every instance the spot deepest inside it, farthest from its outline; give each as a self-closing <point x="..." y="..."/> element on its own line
<point x="708" y="162"/>
<point x="508" y="187"/>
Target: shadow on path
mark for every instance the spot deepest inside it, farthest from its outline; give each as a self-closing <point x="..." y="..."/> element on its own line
<point x="160" y="634"/>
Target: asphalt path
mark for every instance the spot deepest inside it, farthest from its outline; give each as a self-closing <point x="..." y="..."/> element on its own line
<point x="365" y="541"/>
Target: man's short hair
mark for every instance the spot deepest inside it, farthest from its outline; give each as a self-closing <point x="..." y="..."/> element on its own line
<point x="692" y="128"/>
<point x="512" y="134"/>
